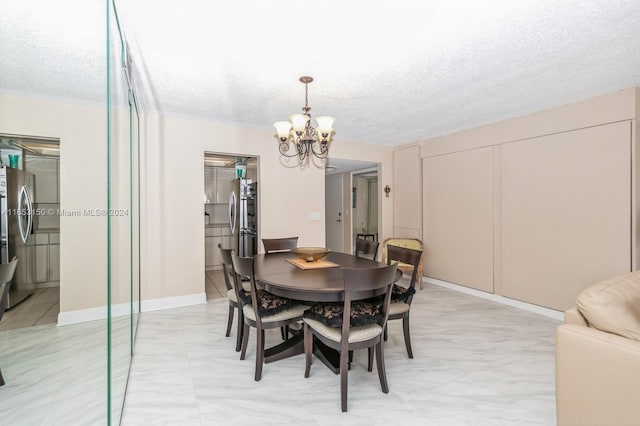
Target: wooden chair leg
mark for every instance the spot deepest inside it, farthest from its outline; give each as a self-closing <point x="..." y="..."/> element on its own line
<point x="245" y="340"/>
<point x="239" y="332"/>
<point x="229" y="320"/>
<point x="308" y="349"/>
<point x="385" y="333"/>
<point x="284" y="332"/>
<point x="382" y="374"/>
<point x="407" y="336"/>
<point x="1" y="379"/>
<point x="259" y="354"/>
<point x="370" y="364"/>
<point x="344" y="378"/>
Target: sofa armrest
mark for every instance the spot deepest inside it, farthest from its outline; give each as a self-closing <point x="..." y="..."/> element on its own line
<point x="597" y="377"/>
<point x="573" y="316"/>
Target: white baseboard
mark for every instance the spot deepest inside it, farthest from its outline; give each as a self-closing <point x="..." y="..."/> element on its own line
<point x="173" y="302"/>
<point x="92" y="314"/>
<point x="550" y="313"/>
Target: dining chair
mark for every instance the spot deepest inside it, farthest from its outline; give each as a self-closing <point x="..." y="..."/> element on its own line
<point x="401" y="297"/>
<point x="412" y="243"/>
<point x="366" y="248"/>
<point x="6" y="275"/>
<point x="272" y="245"/>
<point x="262" y="310"/>
<point x="232" y="294"/>
<point x="349" y="325"/>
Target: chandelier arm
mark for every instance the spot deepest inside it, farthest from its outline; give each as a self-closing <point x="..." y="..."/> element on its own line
<point x="324" y="149"/>
<point x="283" y="147"/>
<point x="303" y="149"/>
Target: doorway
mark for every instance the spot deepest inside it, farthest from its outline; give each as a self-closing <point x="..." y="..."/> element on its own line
<point x="39" y="261"/>
<point x="334" y="211"/>
<point x="223" y="172"/>
<point x="343" y="202"/>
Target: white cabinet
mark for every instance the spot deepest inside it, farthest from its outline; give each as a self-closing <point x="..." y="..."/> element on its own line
<point x="215" y="235"/>
<point x="54" y="262"/>
<point x="224" y="177"/>
<point x="47" y="259"/>
<point x="45" y="170"/>
<point x="209" y="185"/>
<point x="42" y="263"/>
<point x="217" y="184"/>
<point x="209" y="252"/>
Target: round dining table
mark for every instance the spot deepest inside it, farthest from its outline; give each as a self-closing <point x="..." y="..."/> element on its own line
<point x="282" y="278"/>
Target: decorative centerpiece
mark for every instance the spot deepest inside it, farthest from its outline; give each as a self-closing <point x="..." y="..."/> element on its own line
<point x="310" y="254"/>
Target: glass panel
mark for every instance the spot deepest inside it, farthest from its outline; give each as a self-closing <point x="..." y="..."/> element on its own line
<point x="123" y="220"/>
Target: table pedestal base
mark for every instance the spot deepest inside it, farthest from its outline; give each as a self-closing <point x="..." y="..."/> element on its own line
<point x="295" y="346"/>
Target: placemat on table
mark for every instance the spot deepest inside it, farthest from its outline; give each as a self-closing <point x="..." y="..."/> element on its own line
<point x="318" y="264"/>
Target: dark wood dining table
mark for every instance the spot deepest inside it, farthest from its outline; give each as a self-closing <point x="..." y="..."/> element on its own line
<point x="281" y="278"/>
<point x="312" y="285"/>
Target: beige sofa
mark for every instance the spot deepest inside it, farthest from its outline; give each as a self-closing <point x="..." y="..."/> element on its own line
<point x="598" y="356"/>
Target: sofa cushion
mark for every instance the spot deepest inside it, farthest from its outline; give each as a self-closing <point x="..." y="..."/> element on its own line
<point x="613" y="305"/>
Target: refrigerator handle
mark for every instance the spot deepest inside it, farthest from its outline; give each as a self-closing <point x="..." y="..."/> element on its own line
<point x="31" y="214"/>
<point x="232" y="211"/>
<point x="23" y="197"/>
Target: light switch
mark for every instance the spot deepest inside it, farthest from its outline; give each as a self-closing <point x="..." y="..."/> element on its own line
<point x="314" y="216"/>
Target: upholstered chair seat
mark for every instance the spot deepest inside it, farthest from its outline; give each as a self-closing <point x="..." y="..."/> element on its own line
<point x="356" y="334"/>
<point x="401" y="294"/>
<point x="398" y="308"/>
<point x="293" y="311"/>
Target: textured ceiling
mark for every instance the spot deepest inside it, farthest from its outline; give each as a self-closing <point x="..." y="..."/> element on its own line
<point x="390" y="71"/>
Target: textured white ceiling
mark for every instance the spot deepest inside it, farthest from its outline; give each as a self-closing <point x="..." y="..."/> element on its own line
<point x="390" y="71"/>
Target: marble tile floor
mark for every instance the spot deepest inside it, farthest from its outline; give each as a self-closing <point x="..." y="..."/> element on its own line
<point x="41" y="308"/>
<point x="214" y="285"/>
<point x="58" y="375"/>
<point x="476" y="363"/>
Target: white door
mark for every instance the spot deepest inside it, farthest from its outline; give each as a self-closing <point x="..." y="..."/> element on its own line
<point x="334" y="213"/>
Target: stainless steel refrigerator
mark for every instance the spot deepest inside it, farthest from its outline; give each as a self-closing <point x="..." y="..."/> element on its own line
<point x="243" y="217"/>
<point x="16" y="228"/>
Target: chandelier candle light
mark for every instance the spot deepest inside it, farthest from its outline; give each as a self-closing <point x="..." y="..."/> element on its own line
<point x="305" y="138"/>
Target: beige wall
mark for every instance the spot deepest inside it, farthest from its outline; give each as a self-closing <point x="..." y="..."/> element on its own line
<point x="173" y="202"/>
<point x="82" y="132"/>
<point x="383" y="155"/>
<point x="458" y="217"/>
<point x="407" y="190"/>
<point x="172" y="187"/>
<point x="605" y="175"/>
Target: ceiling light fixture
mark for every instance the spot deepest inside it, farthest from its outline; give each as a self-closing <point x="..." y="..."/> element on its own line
<point x="302" y="135"/>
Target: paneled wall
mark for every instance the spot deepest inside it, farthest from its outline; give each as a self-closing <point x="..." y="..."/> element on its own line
<point x="534" y="208"/>
<point x="458" y="217"/>
<point x="406" y="190"/>
<point x="565" y="213"/>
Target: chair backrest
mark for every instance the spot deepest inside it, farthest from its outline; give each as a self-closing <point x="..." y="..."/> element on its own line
<point x="227" y="265"/>
<point x="366" y="279"/>
<point x="367" y="248"/>
<point x="243" y="267"/>
<point x="272" y="245"/>
<point x="406" y="256"/>
<point x="6" y="275"/>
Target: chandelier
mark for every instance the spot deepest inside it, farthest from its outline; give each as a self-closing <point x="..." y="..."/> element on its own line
<point x="300" y="133"/>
